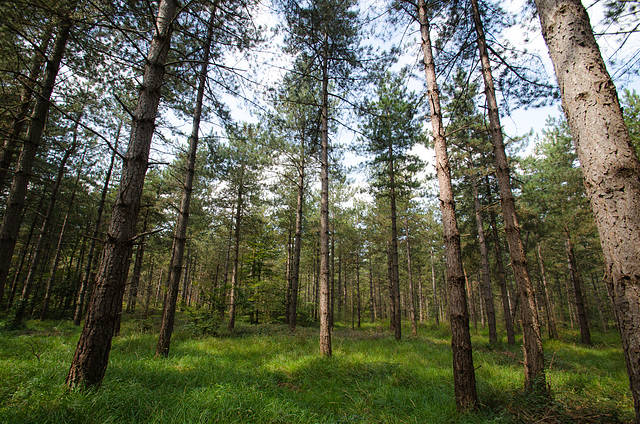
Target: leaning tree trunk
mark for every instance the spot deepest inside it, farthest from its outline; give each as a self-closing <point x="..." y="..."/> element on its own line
<point x="92" y="353"/>
<point x="610" y="167"/>
<point x="574" y="276"/>
<point x="180" y="234"/>
<point x="487" y="291"/>
<point x="532" y="340"/>
<point x="87" y="277"/>
<point x="463" y="370"/>
<point x="325" y="295"/>
<point x="11" y="220"/>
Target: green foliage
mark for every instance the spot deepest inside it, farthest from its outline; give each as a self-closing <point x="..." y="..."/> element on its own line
<point x="631" y="112"/>
<point x="265" y="374"/>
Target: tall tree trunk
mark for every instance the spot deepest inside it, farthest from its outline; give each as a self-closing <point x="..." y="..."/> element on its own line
<point x="11" y="221"/>
<point x="436" y="305"/>
<point x="585" y="334"/>
<point x="463" y="370"/>
<point x="358" y="300"/>
<point x="20" y="307"/>
<point x="297" y="246"/>
<point x="325" y="325"/>
<point x="180" y="233"/>
<point x="92" y="353"/>
<point x="412" y="309"/>
<point x="137" y="267"/>
<point x="487" y="291"/>
<point x="372" y="303"/>
<point x="532" y="340"/>
<point x="20" y="118"/>
<point x="395" y="273"/>
<point x="551" y="319"/>
<point x="88" y="276"/>
<point x="610" y="167"/>
<point x="235" y="276"/>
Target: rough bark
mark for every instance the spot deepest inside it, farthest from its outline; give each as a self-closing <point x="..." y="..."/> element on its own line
<point x="532" y="340"/>
<point x="180" y="232"/>
<point x="137" y="269"/>
<point x="297" y="244"/>
<point x="463" y="370"/>
<point x="92" y="353"/>
<point x="487" y="291"/>
<point x="235" y="277"/>
<point x="325" y="295"/>
<point x="576" y="283"/>
<point x="12" y="218"/>
<point x="396" y="316"/>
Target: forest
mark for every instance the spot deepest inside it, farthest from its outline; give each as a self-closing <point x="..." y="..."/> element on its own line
<point x="295" y="211"/>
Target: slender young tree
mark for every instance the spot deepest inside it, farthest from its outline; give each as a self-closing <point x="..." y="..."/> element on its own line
<point x="180" y="232"/>
<point x="92" y="353"/>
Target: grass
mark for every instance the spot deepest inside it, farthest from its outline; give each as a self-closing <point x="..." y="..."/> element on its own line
<point x="265" y="374"/>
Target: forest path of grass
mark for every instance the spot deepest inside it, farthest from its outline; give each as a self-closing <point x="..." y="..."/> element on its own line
<point x="265" y="374"/>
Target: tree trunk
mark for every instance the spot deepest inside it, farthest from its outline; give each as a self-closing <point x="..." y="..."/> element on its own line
<point x="92" y="353"/>
<point x="585" y="334"/>
<point x="610" y="167"/>
<point x="412" y="309"/>
<point x="371" y="290"/>
<point x="325" y="327"/>
<point x="532" y="340"/>
<point x="395" y="274"/>
<point x="358" y="300"/>
<point x="487" y="291"/>
<point x="88" y="276"/>
<point x="551" y="319"/>
<point x="180" y="233"/>
<point x="436" y="305"/>
<point x="235" y="277"/>
<point x="297" y="246"/>
<point x="502" y="281"/>
<point x="463" y="370"/>
<point x="137" y="268"/>
<point x="11" y="221"/>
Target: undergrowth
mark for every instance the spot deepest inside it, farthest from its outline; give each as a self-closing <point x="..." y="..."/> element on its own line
<point x="267" y="374"/>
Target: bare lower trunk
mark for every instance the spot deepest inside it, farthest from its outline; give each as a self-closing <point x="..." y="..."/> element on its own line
<point x="92" y="353"/>
<point x="395" y="274"/>
<point x="325" y="295"/>
<point x="574" y="276"/>
<point x="12" y="219"/>
<point x="532" y="340"/>
<point x="412" y="309"/>
<point x="235" y="277"/>
<point x="295" y="271"/>
<point x="551" y="319"/>
<point x="463" y="370"/>
<point x="487" y="291"/>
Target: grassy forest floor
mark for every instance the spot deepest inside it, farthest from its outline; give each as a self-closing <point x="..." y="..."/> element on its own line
<point x="265" y="374"/>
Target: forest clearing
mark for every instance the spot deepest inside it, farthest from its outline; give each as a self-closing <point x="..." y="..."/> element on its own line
<point x="267" y="374"/>
<point x="319" y="211"/>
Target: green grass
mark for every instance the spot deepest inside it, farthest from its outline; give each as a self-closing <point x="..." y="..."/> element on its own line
<point x="265" y="374"/>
